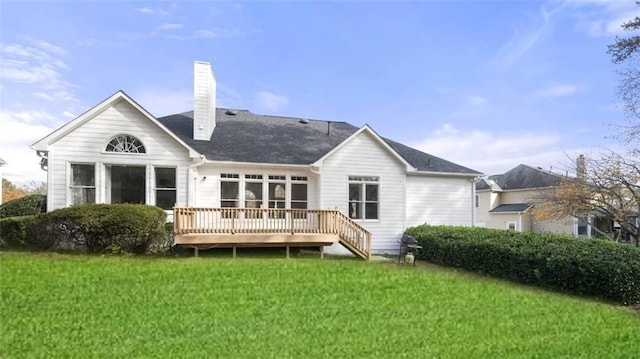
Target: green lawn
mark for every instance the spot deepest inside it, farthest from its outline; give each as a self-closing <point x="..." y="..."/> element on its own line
<point x="89" y="306"/>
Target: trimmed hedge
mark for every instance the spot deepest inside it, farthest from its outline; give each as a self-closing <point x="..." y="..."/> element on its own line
<point x="599" y="268"/>
<point x="24" y="206"/>
<point x="96" y="228"/>
<point x="13" y="231"/>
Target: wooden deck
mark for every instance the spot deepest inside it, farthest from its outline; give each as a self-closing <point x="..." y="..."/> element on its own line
<point x="200" y="228"/>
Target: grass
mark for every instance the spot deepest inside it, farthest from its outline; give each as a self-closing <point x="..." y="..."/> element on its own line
<point x="90" y="306"/>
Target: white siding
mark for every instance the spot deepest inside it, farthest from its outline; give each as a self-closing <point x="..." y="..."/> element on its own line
<point x="365" y="156"/>
<point x="439" y="201"/>
<point x="208" y="189"/>
<point x="86" y="144"/>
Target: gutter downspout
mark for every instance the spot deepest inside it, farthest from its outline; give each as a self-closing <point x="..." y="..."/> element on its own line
<point x="473" y="201"/>
<point x="318" y="186"/>
<point x="520" y="222"/>
<point x="191" y="192"/>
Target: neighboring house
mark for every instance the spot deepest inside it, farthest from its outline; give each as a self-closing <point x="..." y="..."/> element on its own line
<point x="505" y="201"/>
<point x="118" y="152"/>
<point x="2" y="164"/>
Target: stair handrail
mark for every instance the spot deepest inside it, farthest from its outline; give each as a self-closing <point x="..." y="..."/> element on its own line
<point x="356" y="237"/>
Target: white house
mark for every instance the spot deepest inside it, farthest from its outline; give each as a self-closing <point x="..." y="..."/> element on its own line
<point x="118" y="152"/>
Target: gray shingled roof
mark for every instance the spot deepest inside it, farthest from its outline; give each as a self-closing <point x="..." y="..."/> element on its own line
<point x="522" y="177"/>
<point x="511" y="207"/>
<point x="247" y="137"/>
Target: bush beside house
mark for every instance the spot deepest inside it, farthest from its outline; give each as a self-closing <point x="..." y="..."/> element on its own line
<point x="95" y="228"/>
<point x="24" y="206"/>
<point x="598" y="268"/>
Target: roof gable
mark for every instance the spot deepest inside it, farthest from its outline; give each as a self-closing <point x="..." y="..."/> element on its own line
<point x="42" y="144"/>
<point x="379" y="140"/>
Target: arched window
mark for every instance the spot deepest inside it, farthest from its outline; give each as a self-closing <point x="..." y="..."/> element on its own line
<point x="126" y="144"/>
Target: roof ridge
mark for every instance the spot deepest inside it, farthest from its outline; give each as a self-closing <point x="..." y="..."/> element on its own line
<point x="278" y="116"/>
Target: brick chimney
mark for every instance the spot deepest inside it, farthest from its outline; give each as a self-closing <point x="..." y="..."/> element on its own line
<point x="581" y="167"/>
<point x="204" y="101"/>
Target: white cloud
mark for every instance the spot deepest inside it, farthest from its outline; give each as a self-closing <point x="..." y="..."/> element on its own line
<point x="30" y="72"/>
<point x="26" y="117"/>
<point x="271" y="101"/>
<point x="51" y="48"/>
<point x="207" y="34"/>
<point x="446" y="130"/>
<point x="19" y="129"/>
<point x="161" y="102"/>
<point x="25" y="72"/>
<point x="152" y="11"/>
<point x="556" y="90"/>
<point x="476" y="100"/>
<point x="169" y="26"/>
<point x="38" y="64"/>
<point x="54" y="96"/>
<point x="524" y="38"/>
<point x="496" y="153"/>
<point x="603" y="18"/>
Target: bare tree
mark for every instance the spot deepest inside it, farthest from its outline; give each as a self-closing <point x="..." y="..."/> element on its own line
<point x="626" y="51"/>
<point x="608" y="187"/>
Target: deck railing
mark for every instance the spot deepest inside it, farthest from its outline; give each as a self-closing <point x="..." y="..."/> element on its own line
<point x="203" y="220"/>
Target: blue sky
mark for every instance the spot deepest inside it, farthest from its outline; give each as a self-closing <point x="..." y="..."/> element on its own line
<point x="486" y="84"/>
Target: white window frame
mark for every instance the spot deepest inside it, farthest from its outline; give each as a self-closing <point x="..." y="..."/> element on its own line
<point x="277" y="180"/>
<point x="265" y="179"/>
<point x="142" y="146"/>
<point x="230" y="178"/>
<point x="363" y="181"/>
<point x="70" y="185"/>
<point x="514" y="223"/>
<point x="254" y="178"/>
<point x="299" y="180"/>
<point x="108" y="167"/>
<point x="156" y="188"/>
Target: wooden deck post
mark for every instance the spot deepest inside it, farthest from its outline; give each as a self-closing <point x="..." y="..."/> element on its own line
<point x="287" y="251"/>
<point x="234" y="251"/>
<point x="321" y="252"/>
<point x="291" y="215"/>
<point x="195" y="251"/>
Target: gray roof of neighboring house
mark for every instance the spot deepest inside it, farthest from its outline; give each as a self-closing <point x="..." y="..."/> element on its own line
<point x="242" y="136"/>
<point x="511" y="207"/>
<point x="521" y="177"/>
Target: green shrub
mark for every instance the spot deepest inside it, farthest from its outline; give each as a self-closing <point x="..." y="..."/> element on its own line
<point x="96" y="228"/>
<point x="24" y="206"/>
<point x="164" y="244"/>
<point x="117" y="228"/>
<point x="13" y="231"/>
<point x="583" y="266"/>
